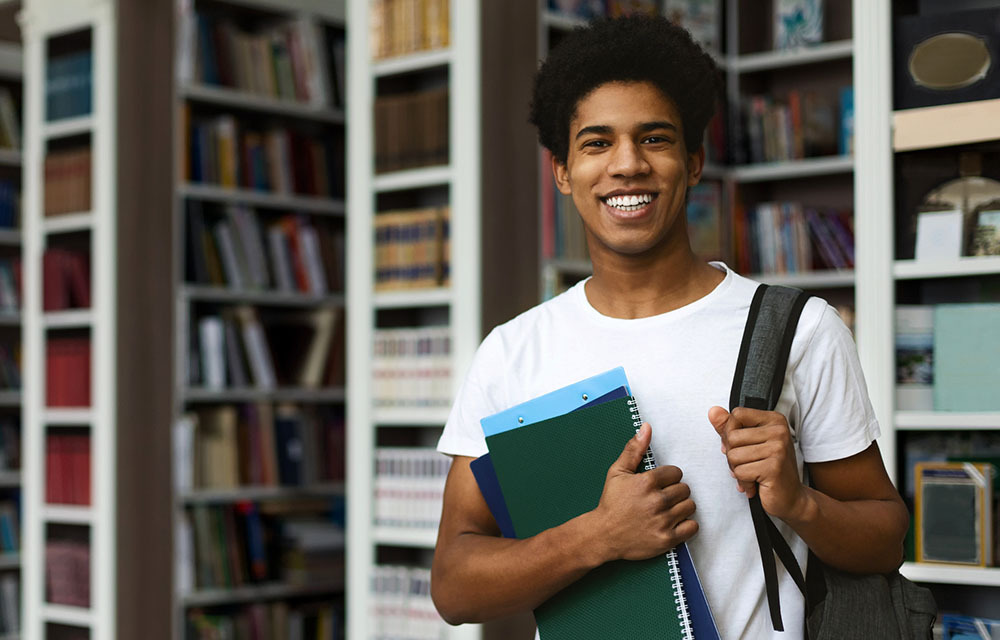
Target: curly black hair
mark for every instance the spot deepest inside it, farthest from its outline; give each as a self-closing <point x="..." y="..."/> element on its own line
<point x="634" y="48"/>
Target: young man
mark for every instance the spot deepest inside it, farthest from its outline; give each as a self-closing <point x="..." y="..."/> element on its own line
<point x="622" y="105"/>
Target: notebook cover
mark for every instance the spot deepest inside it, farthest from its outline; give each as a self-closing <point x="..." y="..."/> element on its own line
<point x="620" y="599"/>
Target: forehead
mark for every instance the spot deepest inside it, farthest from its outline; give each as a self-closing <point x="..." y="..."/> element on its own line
<point x="623" y="103"/>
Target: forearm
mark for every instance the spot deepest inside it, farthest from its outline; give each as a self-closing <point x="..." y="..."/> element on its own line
<point x="479" y="577"/>
<point x="859" y="536"/>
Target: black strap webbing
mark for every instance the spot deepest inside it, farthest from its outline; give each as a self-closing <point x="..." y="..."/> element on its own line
<point x="757" y="383"/>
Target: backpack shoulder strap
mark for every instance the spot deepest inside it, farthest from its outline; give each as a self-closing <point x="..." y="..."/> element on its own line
<point x="757" y="382"/>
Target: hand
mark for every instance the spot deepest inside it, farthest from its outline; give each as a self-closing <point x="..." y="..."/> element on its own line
<point x="643" y="514"/>
<point x="762" y="456"/>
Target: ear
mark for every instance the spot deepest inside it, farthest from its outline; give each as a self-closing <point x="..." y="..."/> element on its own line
<point x="696" y="163"/>
<point x="561" y="173"/>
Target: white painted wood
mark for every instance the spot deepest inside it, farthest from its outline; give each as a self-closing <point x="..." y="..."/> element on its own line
<point x="774" y="60"/>
<point x="216" y="193"/>
<point x="951" y="574"/>
<point x="385" y="417"/>
<point x="806" y="168"/>
<point x="944" y="420"/>
<point x="413" y="178"/>
<point x="966" y="266"/>
<point x="401" y="537"/>
<point x="411" y="62"/>
<point x="413" y="298"/>
<point x="234" y="98"/>
<point x="946" y="125"/>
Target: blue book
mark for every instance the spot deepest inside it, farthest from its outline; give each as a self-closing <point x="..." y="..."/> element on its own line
<point x="605" y="387"/>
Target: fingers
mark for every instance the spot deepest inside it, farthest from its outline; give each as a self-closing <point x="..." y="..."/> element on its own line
<point x="633" y="452"/>
<point x="664" y="476"/>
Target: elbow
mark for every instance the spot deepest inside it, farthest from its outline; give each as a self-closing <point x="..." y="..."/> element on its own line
<point x="448" y="604"/>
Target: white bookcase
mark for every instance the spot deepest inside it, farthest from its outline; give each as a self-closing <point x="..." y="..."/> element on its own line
<point x="42" y="22"/>
<point x="205" y="101"/>
<point x="881" y="133"/>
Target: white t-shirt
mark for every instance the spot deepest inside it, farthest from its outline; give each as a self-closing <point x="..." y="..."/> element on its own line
<point x="679" y="364"/>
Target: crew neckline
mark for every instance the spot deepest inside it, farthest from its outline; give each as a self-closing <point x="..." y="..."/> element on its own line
<point x="579" y="293"/>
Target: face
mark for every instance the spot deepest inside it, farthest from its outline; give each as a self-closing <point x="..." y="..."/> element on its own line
<point x="628" y="170"/>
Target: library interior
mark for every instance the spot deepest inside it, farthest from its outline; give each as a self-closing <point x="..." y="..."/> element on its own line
<point x="249" y="250"/>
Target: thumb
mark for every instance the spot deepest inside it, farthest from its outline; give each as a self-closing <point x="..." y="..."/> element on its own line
<point x="634" y="450"/>
<point x="718" y="417"/>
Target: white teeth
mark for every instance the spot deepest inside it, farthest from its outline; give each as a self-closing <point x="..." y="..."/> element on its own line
<point x="630" y="203"/>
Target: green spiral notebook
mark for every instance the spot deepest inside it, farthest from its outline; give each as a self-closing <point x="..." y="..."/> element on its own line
<point x="554" y="470"/>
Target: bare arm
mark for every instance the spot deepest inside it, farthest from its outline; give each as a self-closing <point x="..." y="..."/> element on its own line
<point x="479" y="576"/>
<point x="852" y="517"/>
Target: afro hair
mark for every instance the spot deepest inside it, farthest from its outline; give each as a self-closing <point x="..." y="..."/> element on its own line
<point x="634" y="48"/>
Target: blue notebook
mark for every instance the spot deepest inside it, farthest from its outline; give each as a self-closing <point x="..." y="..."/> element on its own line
<point x="593" y="391"/>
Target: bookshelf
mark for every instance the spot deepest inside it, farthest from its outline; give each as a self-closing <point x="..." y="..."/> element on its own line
<point x="259" y="192"/>
<point x="476" y="189"/>
<point x="888" y="274"/>
<point x="750" y="67"/>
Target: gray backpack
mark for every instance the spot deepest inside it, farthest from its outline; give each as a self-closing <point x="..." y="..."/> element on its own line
<point x="839" y="605"/>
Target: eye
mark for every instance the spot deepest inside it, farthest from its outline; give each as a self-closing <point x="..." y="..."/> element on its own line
<point x="657" y="139"/>
<point x="596" y="143"/>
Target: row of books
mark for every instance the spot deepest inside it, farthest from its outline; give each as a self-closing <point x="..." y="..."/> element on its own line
<point x="10" y="528"/>
<point x="10" y="122"/>
<point x="10" y="604"/>
<point x="236" y="349"/>
<point x="10" y="284"/>
<point x="67" y="468"/>
<point x="563" y="234"/>
<point x="286" y="60"/>
<point x="289" y="253"/>
<point x="789" y="238"/>
<point x="411" y="130"/>
<point x="402" y="608"/>
<point x="806" y="124"/>
<point x="223" y="151"/>
<point x="249" y="543"/>
<point x="409" y="487"/>
<point x="67" y="371"/>
<point x="65" y="279"/>
<point x="412" y="248"/>
<point x="946" y="357"/>
<point x="269" y="621"/>
<point x="588" y="9"/>
<point x="68" y="181"/>
<point x="411" y="367"/>
<point x="10" y="444"/>
<point x="258" y="445"/>
<point x="399" y="27"/>
<point x="69" y="85"/>
<point x="67" y="572"/>
<point x="10" y="205"/>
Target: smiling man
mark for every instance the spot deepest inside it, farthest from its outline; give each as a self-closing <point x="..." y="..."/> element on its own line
<point x="622" y="105"/>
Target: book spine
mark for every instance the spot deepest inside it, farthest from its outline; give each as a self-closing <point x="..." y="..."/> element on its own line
<point x="676" y="582"/>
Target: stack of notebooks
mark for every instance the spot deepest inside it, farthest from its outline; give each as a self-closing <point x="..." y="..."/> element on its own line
<point x="547" y="462"/>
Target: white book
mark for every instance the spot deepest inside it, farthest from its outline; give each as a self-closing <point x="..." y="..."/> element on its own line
<point x="185" y="555"/>
<point x="309" y="243"/>
<point x="213" y="358"/>
<point x="257" y="348"/>
<point x="187" y="42"/>
<point x="184" y="432"/>
<point x="317" y="80"/>
<point x="324" y="323"/>
<point x="244" y="221"/>
<point x="231" y="262"/>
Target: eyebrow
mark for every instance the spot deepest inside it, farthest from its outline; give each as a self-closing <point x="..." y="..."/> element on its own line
<point x="645" y="127"/>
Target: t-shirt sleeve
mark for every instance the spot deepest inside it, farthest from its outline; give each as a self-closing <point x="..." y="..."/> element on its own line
<point x="835" y="413"/>
<point x="481" y="394"/>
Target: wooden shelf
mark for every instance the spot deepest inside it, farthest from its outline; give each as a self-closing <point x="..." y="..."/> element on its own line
<point x="254" y="593"/>
<point x="10" y="237"/>
<point x="205" y="496"/>
<point x="771" y="60"/>
<point x="68" y="222"/>
<point x="951" y="574"/>
<point x="223" y="396"/>
<point x="411" y="63"/>
<point x="945" y="126"/>
<point x="11" y="157"/>
<point x="807" y="168"/>
<point x="11" y="60"/>
<point x="809" y="280"/>
<point x="324" y="8"/>
<point x="400" y="537"/>
<point x="411" y="417"/>
<point x="946" y="420"/>
<point x="10" y="398"/>
<point x="9" y="478"/>
<point x="968" y="266"/>
<point x="298" y="203"/>
<point x="207" y="293"/>
<point x="561" y="21"/>
<point x="237" y="99"/>
<point x="413" y="179"/>
<point x="10" y="560"/>
<point x="413" y="298"/>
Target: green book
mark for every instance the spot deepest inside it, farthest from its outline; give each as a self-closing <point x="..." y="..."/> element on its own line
<point x="966" y="357"/>
<point x="554" y="470"/>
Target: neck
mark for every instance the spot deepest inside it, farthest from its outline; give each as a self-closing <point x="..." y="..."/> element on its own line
<point x="641" y="286"/>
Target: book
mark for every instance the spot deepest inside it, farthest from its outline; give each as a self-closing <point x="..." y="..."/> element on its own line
<point x="986" y="235"/>
<point x="704" y="219"/>
<point x="954" y="519"/>
<point x="966" y="357"/>
<point x="914" y="357"/>
<point x="797" y="23"/>
<point x="700" y="17"/>
<point x="538" y="497"/>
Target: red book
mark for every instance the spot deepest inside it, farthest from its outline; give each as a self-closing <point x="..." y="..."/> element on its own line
<point x="67" y="378"/>
<point x="53" y="477"/>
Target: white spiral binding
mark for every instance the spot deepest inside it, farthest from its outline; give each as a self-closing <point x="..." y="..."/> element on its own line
<point x="676" y="581"/>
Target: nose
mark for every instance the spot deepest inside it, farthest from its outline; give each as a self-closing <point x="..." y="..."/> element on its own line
<point x="627" y="160"/>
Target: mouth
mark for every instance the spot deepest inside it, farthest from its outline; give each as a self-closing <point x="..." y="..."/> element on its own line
<point x="629" y="202"/>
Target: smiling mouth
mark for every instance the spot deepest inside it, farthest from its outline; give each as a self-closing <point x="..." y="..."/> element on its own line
<point x="629" y="203"/>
